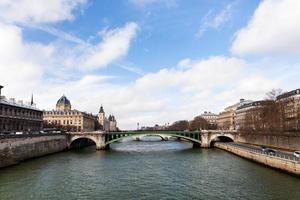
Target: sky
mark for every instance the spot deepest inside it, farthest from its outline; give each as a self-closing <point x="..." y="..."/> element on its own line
<point x="148" y="61"/>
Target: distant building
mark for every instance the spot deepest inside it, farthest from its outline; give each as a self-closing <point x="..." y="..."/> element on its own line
<point x="211" y="118"/>
<point x="290" y="104"/>
<point x="248" y="116"/>
<point x="226" y="119"/>
<point x="156" y="127"/>
<point x="66" y="118"/>
<point x="16" y="116"/>
<point x="107" y="124"/>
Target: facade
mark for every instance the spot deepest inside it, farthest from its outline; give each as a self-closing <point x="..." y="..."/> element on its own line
<point x="211" y="118"/>
<point x="19" y="116"/>
<point x="289" y="103"/>
<point x="66" y="118"/>
<point x="226" y="119"/>
<point x="107" y="124"/>
<point x="248" y="116"/>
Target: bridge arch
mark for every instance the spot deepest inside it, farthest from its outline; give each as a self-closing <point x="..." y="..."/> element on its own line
<point x="221" y="138"/>
<point x="81" y="141"/>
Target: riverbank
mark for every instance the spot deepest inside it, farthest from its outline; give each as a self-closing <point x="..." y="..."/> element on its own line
<point x="16" y="148"/>
<point x="281" y="163"/>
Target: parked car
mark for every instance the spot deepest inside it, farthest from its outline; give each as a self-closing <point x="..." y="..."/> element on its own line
<point x="297" y="154"/>
<point x="268" y="151"/>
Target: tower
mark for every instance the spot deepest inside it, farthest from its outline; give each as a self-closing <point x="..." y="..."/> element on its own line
<point x="31" y="102"/>
<point x="101" y="117"/>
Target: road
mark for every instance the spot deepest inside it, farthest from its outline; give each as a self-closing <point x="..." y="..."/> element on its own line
<point x="278" y="153"/>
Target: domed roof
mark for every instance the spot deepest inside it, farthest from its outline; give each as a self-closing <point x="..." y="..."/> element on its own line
<point x="63" y="100"/>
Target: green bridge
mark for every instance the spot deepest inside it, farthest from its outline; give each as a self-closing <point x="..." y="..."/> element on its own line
<point x="198" y="138"/>
<point x="112" y="137"/>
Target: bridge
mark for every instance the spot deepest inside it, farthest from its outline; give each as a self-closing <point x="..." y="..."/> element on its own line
<point x="102" y="140"/>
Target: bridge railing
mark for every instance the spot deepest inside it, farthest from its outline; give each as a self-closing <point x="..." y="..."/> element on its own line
<point x="282" y="156"/>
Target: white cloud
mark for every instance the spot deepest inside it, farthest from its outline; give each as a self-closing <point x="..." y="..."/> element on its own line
<point x="274" y="28"/>
<point x="20" y="61"/>
<point x="37" y="11"/>
<point x="175" y="93"/>
<point x="214" y="21"/>
<point x="114" y="45"/>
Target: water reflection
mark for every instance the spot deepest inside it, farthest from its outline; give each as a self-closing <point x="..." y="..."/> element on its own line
<point x="145" y="170"/>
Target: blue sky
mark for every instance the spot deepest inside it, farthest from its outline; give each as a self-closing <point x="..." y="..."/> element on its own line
<point x="148" y="61"/>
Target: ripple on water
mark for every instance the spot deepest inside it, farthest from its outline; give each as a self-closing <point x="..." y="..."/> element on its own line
<point x="145" y="170"/>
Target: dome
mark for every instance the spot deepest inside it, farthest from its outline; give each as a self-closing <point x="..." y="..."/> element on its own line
<point x="63" y="100"/>
<point x="63" y="104"/>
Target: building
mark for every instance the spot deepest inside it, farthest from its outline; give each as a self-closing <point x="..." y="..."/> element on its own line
<point x="66" y="118"/>
<point x="16" y="116"/>
<point x="211" y="119"/>
<point x="107" y="124"/>
<point x="226" y="118"/>
<point x="289" y="103"/>
<point x="249" y="115"/>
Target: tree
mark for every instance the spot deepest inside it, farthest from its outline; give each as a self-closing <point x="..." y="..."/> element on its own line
<point x="179" y="125"/>
<point x="271" y="95"/>
<point x="198" y="123"/>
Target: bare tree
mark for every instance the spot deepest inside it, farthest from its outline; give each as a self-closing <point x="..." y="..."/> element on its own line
<point x="271" y="95"/>
<point x="179" y="125"/>
<point x="198" y="123"/>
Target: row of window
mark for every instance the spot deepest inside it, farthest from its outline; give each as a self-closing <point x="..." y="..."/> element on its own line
<point x="11" y="125"/>
<point x="19" y="112"/>
<point x="64" y="122"/>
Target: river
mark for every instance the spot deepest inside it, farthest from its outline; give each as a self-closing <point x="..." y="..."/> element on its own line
<point x="145" y="170"/>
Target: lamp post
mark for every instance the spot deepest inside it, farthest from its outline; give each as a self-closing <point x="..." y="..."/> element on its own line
<point x="0" y="89"/>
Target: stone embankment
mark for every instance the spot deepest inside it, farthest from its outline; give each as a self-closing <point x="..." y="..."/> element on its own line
<point x="285" y="164"/>
<point x="288" y="140"/>
<point x="16" y="148"/>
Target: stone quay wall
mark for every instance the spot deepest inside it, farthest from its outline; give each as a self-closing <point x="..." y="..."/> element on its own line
<point x="287" y="141"/>
<point x="290" y="166"/>
<point x="16" y="148"/>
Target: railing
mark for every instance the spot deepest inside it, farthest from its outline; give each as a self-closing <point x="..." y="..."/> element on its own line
<point x="283" y="156"/>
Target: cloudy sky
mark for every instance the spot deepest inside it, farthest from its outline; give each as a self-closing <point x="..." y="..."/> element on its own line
<point x="148" y="61"/>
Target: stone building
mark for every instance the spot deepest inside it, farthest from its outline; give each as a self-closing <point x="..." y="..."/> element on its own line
<point x="16" y="116"/>
<point x="289" y="103"/>
<point x="226" y="119"/>
<point x="248" y="116"/>
<point x="66" y="118"/>
<point x="211" y="119"/>
<point x="107" y="124"/>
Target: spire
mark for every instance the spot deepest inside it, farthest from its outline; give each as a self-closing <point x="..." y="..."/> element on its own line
<point x="101" y="109"/>
<point x="31" y="103"/>
<point x="0" y="89"/>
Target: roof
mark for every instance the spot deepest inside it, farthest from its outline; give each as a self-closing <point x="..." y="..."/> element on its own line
<point x="20" y="105"/>
<point x="101" y="109"/>
<point x="288" y="94"/>
<point x="63" y="100"/>
<point x="255" y="103"/>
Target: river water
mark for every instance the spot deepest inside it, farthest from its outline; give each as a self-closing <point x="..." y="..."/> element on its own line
<point x="145" y="170"/>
